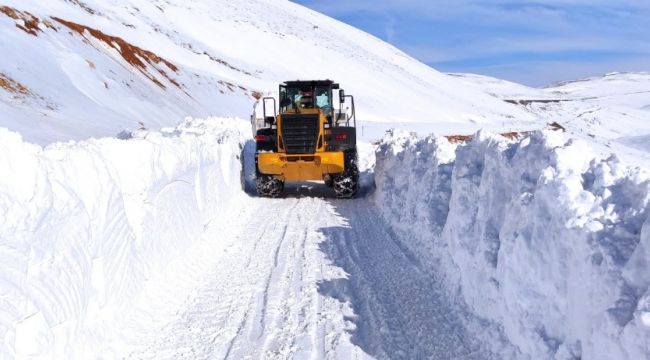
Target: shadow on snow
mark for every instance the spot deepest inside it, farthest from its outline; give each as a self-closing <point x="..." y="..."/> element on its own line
<point x="400" y="312"/>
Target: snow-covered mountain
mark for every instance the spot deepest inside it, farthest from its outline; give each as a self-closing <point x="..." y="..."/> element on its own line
<point x="90" y="68"/>
<point x="611" y="112"/>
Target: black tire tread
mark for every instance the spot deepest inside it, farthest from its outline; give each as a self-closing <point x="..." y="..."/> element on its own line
<point x="346" y="184"/>
<point x="269" y="186"/>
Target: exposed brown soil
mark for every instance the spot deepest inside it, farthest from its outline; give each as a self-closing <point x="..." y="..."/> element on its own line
<point x="135" y="56"/>
<point x="512" y="135"/>
<point x="508" y="135"/>
<point x="12" y="86"/>
<point x="459" y="138"/>
<point x="515" y="135"/>
<point x="29" y="23"/>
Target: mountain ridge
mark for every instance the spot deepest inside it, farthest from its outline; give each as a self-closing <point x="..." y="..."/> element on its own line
<point x="106" y="59"/>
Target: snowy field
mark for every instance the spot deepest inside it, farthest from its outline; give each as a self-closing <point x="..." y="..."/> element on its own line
<point x="129" y="230"/>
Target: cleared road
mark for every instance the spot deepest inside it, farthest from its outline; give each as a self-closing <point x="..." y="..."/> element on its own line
<point x="304" y="277"/>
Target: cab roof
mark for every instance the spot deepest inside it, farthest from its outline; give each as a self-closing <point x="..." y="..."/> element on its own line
<point x="300" y="83"/>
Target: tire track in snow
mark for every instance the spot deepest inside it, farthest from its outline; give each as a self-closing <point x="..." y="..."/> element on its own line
<point x="289" y="286"/>
<point x="268" y="281"/>
<point x="314" y="278"/>
<point x="222" y="305"/>
<point x="237" y="312"/>
<point x="258" y="327"/>
<point x="267" y="243"/>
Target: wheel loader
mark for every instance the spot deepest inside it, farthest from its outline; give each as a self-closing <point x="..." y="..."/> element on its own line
<point x="307" y="137"/>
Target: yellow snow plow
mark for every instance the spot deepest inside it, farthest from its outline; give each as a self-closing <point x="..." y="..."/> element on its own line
<point x="308" y="139"/>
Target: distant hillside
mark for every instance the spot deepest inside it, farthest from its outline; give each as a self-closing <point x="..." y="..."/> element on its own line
<point x="74" y="69"/>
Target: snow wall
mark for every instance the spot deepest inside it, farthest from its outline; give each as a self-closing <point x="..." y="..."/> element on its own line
<point x="84" y="225"/>
<point x="534" y="235"/>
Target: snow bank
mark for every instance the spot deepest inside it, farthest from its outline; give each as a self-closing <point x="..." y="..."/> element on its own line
<point x="534" y="235"/>
<point x="84" y="225"/>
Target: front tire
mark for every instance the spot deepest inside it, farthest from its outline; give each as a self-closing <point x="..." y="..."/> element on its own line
<point x="346" y="184"/>
<point x="269" y="186"/>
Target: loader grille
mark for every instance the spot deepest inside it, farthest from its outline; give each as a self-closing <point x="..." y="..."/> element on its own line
<point x="300" y="133"/>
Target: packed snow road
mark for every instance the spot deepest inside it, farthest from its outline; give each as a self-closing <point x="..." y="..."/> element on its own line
<point x="305" y="277"/>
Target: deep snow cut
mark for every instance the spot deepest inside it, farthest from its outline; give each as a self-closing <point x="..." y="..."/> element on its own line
<point x="86" y="225"/>
<point x="539" y="236"/>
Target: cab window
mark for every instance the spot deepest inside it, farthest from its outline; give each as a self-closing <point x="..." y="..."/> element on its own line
<point x="323" y="100"/>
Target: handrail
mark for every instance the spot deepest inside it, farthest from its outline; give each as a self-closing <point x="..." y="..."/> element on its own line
<point x="275" y="109"/>
<point x="352" y="117"/>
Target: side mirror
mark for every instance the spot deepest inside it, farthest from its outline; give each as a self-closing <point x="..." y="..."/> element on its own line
<point x="341" y="96"/>
<point x="285" y="102"/>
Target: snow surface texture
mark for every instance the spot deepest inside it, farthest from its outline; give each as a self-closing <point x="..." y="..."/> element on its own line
<point x="155" y="62"/>
<point x="149" y="248"/>
<point x="84" y="226"/>
<point x="538" y="236"/>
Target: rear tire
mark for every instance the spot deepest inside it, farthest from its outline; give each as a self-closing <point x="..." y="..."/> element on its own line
<point x="269" y="186"/>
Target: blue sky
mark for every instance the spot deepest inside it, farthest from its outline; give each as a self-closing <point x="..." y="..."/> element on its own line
<point x="531" y="42"/>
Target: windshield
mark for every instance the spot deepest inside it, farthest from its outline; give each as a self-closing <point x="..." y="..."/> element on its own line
<point x="306" y="97"/>
<point x="323" y="100"/>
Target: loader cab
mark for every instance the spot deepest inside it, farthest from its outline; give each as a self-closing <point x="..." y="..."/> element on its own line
<point x="315" y="96"/>
<point x="295" y="96"/>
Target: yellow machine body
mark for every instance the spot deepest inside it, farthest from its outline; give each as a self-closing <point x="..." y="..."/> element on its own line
<point x="302" y="167"/>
